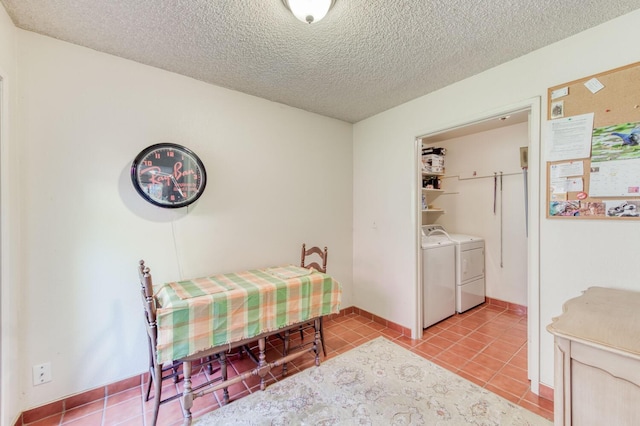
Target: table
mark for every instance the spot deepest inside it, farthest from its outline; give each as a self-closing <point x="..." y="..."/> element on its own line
<point x="597" y="359"/>
<point x="203" y="316"/>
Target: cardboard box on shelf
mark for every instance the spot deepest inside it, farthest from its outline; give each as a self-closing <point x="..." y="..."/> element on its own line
<point x="433" y="160"/>
<point x="432" y="169"/>
<point x="433" y="150"/>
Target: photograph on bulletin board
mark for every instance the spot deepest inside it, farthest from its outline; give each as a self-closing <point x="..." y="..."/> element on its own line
<point x="615" y="161"/>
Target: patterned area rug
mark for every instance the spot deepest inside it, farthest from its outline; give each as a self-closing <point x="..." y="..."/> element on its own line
<point x="377" y="383"/>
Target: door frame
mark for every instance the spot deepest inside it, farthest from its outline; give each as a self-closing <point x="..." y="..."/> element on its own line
<point x="3" y="243"/>
<point x="531" y="105"/>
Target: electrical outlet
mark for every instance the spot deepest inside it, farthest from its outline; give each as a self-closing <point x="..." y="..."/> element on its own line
<point x="41" y="373"/>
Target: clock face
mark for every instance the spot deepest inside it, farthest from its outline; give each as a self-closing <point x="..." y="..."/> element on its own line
<point x="168" y="175"/>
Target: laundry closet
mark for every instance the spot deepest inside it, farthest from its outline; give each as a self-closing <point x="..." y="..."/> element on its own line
<point x="476" y="194"/>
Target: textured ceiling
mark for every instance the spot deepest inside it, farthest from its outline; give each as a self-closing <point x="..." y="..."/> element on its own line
<point x="365" y="57"/>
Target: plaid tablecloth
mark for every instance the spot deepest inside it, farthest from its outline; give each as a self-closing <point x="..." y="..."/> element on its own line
<point x="201" y="313"/>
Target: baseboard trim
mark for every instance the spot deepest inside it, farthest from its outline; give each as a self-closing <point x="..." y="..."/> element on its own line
<point x="73" y="401"/>
<point x="513" y="307"/>
<point x="545" y="391"/>
<point x="389" y="324"/>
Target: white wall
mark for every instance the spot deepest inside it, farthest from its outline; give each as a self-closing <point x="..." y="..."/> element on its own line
<point x="384" y="181"/>
<point x="277" y="177"/>
<point x="469" y="204"/>
<point x="10" y="335"/>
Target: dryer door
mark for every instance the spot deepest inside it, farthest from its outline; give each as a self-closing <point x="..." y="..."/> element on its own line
<point x="471" y="264"/>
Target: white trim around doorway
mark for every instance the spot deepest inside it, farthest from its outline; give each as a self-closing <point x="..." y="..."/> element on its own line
<point x="531" y="105"/>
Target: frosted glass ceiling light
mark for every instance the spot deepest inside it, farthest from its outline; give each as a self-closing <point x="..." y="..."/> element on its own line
<point x="309" y="10"/>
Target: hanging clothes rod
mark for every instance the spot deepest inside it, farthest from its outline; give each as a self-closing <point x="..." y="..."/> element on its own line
<point x="518" y="173"/>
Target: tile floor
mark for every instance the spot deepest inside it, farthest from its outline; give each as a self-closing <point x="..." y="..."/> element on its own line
<point x="486" y="345"/>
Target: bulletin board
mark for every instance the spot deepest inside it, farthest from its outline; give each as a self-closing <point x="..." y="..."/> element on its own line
<point x="599" y="179"/>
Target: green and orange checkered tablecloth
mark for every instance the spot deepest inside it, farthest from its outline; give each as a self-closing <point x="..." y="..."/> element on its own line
<point x="201" y="313"/>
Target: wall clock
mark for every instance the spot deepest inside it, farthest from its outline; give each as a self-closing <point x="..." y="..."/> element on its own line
<point x="168" y="175"/>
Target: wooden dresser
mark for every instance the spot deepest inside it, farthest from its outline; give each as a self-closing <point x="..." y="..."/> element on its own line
<point x="597" y="359"/>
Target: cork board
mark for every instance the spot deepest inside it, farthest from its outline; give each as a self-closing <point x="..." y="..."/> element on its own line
<point x="607" y="182"/>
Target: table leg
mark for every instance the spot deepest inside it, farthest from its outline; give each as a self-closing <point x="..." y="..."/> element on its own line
<point x="209" y="361"/>
<point x="262" y="363"/>
<point x="317" y="341"/>
<point x="285" y="350"/>
<point x="223" y="374"/>
<point x="187" y="394"/>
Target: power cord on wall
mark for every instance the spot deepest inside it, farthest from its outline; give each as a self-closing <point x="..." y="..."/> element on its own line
<point x="175" y="243"/>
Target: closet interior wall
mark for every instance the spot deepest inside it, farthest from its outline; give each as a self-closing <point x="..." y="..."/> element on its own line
<point x="484" y="195"/>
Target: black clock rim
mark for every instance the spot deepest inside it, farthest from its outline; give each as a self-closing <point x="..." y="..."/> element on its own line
<point x="178" y="147"/>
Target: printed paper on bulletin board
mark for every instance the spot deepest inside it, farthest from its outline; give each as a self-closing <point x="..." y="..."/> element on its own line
<point x="606" y="183"/>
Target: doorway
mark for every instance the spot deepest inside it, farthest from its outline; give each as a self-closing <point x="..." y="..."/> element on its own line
<point x="528" y="111"/>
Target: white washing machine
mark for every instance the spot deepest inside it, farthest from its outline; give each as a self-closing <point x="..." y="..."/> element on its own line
<point x="470" y="271"/>
<point x="438" y="278"/>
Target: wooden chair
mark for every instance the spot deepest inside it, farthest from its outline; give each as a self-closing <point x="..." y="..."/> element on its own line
<point x="157" y="372"/>
<point x="306" y="262"/>
<point x="170" y="370"/>
<point x="322" y="254"/>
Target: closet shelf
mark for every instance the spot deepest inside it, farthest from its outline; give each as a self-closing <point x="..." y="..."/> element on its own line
<point x="438" y="191"/>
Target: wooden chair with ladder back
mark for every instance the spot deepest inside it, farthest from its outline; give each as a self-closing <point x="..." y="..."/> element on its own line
<point x="170" y="370"/>
<point x="319" y="263"/>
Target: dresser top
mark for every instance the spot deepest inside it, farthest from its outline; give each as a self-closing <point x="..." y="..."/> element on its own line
<point x="602" y="316"/>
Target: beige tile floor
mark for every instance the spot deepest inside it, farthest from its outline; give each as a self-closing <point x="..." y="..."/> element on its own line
<point x="486" y="345"/>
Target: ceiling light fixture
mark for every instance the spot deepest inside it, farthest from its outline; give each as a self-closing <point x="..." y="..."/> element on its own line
<point x="309" y="11"/>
